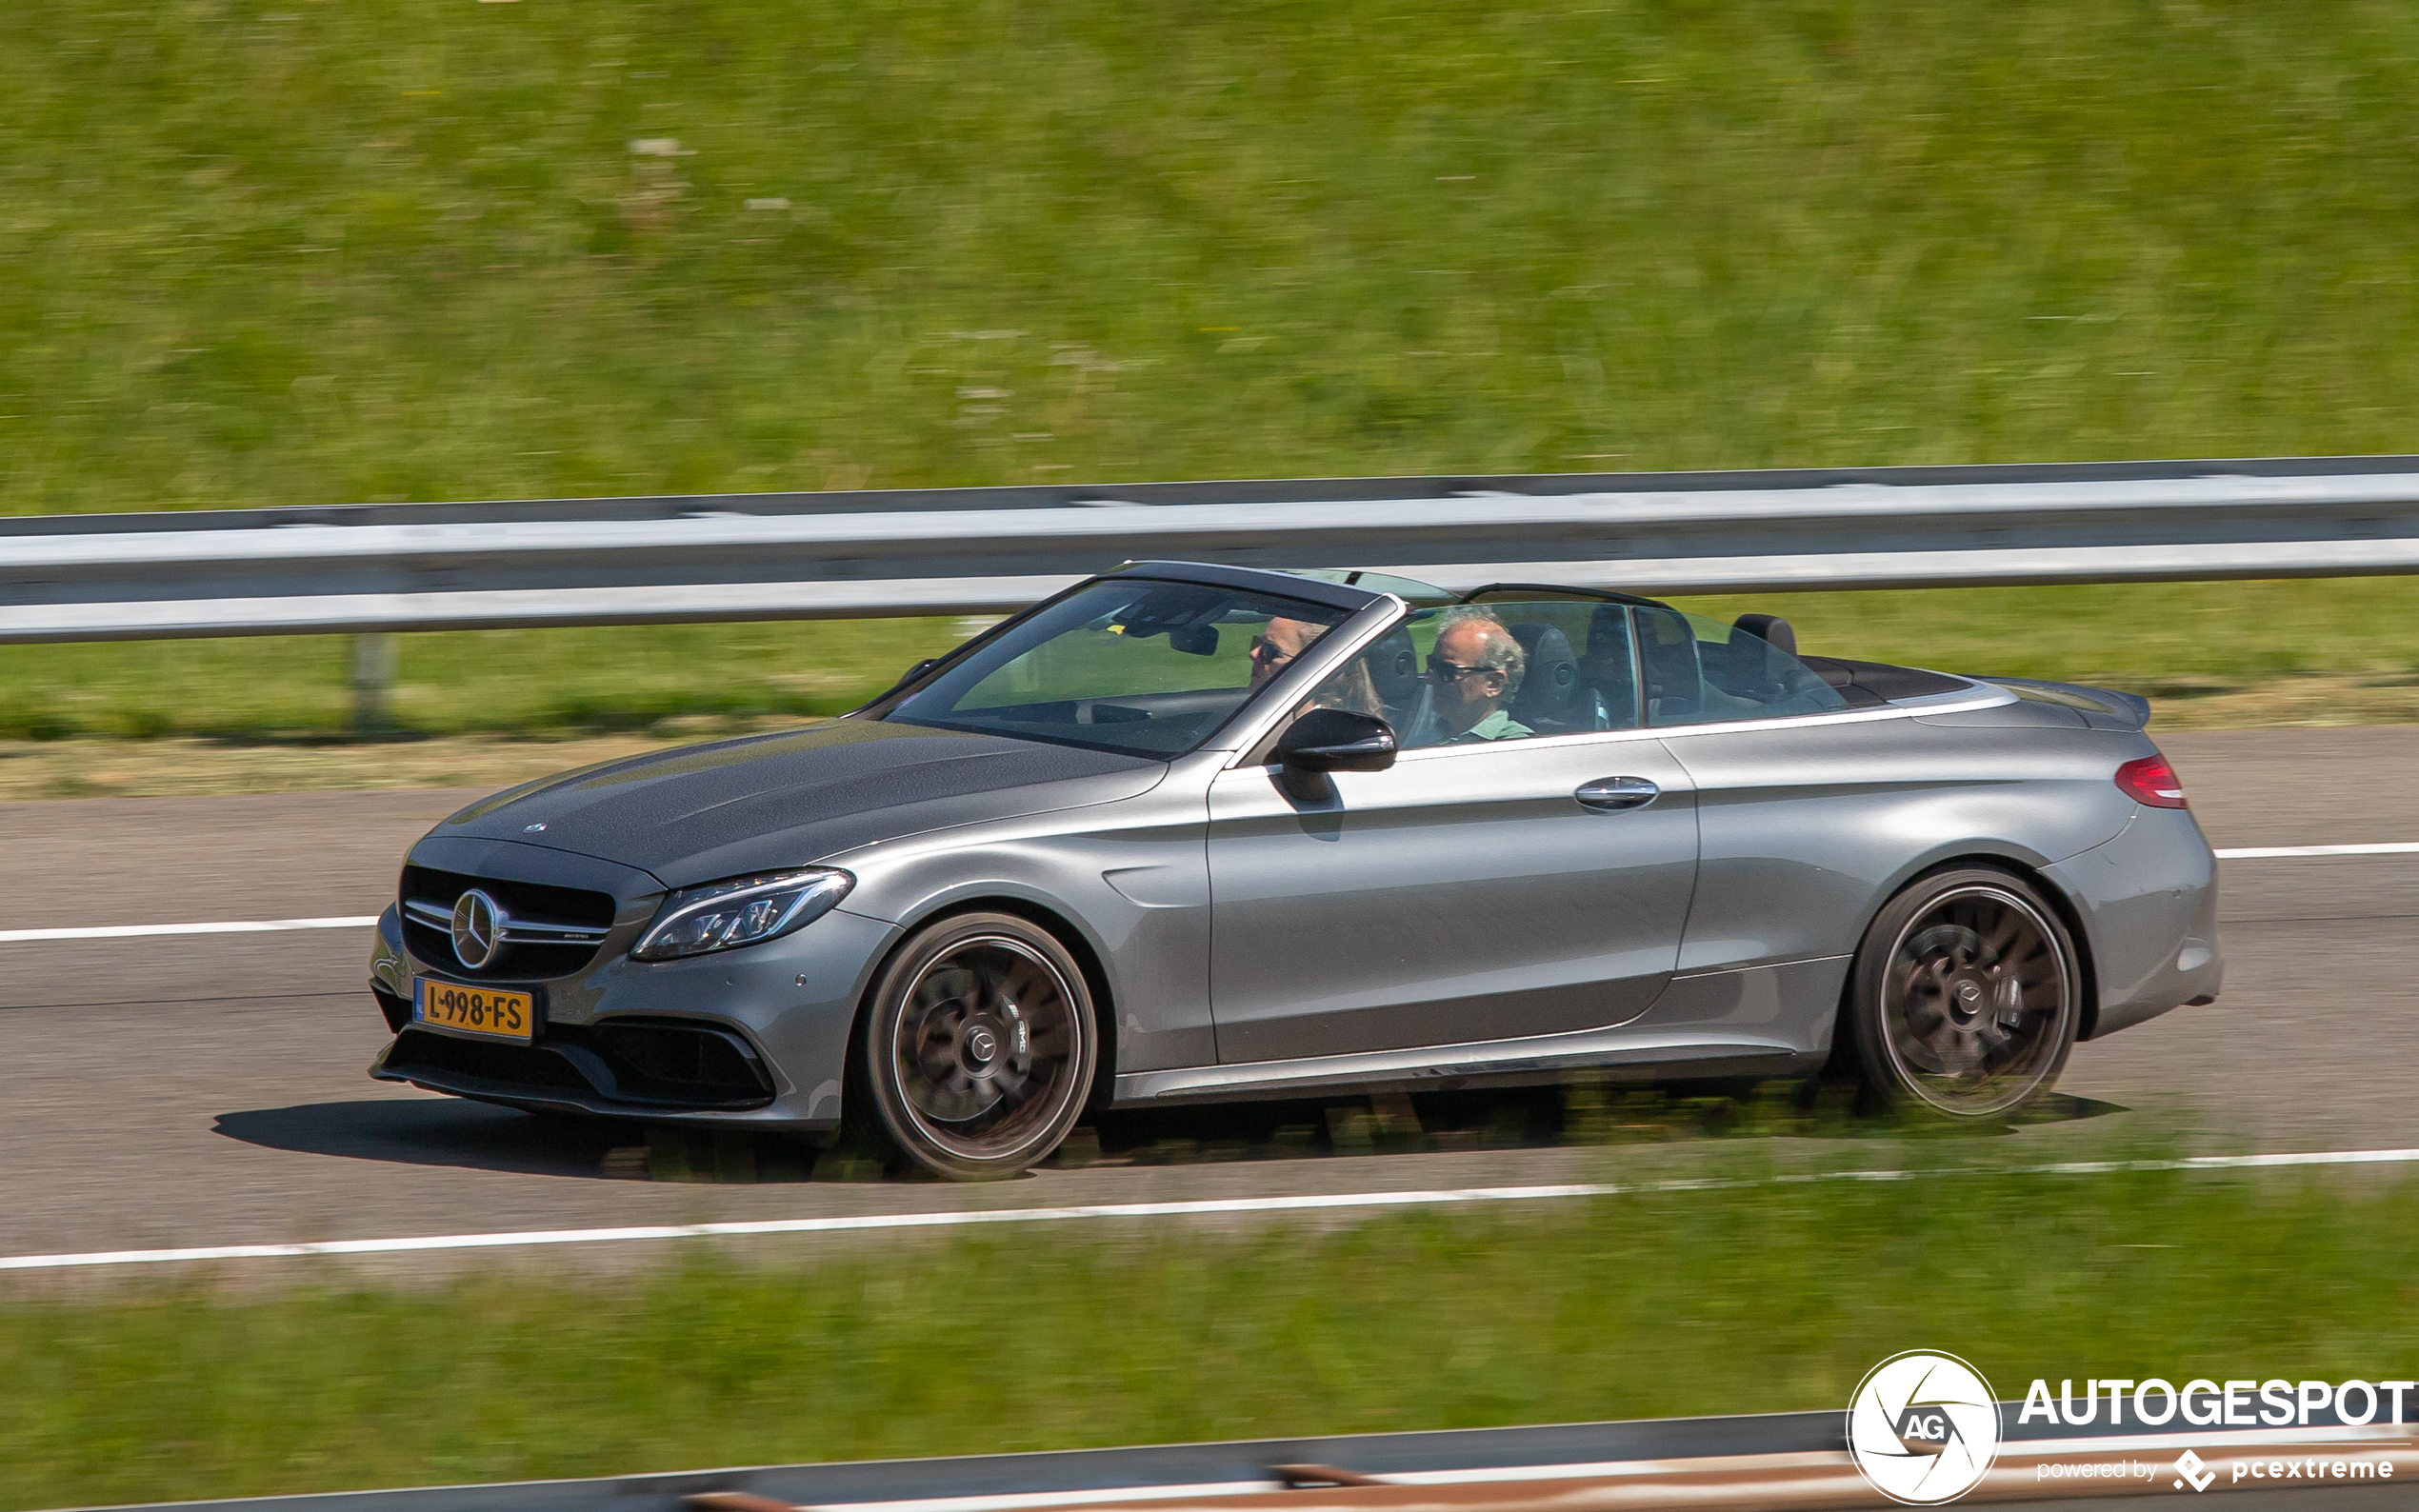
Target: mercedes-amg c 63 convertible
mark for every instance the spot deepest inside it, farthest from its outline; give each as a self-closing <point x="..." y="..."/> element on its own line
<point x="1189" y="832"/>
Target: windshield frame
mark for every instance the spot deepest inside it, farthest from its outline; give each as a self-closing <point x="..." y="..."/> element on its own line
<point x="1354" y="604"/>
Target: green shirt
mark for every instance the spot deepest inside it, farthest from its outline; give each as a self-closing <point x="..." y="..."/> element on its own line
<point x="1497" y="726"/>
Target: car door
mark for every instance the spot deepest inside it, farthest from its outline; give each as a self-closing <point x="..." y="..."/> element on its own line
<point x="1466" y="894"/>
<point x="1472" y="892"/>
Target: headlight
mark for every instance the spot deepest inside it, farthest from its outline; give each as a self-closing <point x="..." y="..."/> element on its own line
<point x="741" y="911"/>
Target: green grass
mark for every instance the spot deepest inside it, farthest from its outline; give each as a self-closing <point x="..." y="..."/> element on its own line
<point x="1714" y="1301"/>
<point x="303" y="251"/>
<point x="260" y="254"/>
<point x="293" y="252"/>
<point x="538" y="682"/>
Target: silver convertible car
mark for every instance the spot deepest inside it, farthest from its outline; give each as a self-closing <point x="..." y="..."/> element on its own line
<point x="1188" y="832"/>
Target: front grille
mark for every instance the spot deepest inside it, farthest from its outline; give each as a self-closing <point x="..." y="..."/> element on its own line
<point x="638" y="1064"/>
<point x="429" y="895"/>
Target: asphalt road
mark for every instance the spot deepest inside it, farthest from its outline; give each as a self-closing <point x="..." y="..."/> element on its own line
<point x="206" y="1090"/>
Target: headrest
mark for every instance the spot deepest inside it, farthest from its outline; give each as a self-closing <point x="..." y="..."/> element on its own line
<point x="1771" y="629"/>
<point x="1550" y="690"/>
<point x="1609" y="632"/>
<point x="1394" y="669"/>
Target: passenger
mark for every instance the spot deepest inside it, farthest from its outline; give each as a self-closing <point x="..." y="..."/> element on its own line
<point x="1274" y="649"/>
<point x="1474" y="671"/>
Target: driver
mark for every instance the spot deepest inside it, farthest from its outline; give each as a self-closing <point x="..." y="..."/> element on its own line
<point x="1474" y="671"/>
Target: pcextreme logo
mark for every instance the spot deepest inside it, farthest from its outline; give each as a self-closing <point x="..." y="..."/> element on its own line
<point x="1923" y="1427"/>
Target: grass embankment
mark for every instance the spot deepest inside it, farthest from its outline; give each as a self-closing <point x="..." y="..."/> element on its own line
<point x="1712" y="1302"/>
<point x="276" y="253"/>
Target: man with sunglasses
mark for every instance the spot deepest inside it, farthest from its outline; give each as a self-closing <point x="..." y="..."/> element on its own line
<point x="1472" y="674"/>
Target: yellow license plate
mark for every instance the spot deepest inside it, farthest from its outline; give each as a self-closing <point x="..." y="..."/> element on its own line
<point x="475" y="1010"/>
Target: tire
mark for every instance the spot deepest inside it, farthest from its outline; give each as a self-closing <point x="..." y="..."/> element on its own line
<point x="977" y="1049"/>
<point x="1964" y="999"/>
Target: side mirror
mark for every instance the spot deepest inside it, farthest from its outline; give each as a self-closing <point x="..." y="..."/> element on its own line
<point x="905" y="678"/>
<point x="1334" y="740"/>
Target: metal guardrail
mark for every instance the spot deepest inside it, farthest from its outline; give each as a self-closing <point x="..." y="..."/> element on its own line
<point x="1203" y="1468"/>
<point x="1792" y="1461"/>
<point x="380" y="568"/>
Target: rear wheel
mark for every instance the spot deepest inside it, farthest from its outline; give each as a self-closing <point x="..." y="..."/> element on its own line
<point x="978" y="1049"/>
<point x="1965" y="997"/>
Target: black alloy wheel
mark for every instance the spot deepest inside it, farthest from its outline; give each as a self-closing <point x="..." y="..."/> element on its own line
<point x="978" y="1049"/>
<point x="1965" y="997"/>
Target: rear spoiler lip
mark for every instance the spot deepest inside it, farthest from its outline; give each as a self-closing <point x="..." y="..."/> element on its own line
<point x="2101" y="707"/>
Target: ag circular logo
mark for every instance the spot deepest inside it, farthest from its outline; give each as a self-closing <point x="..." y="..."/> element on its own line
<point x="1923" y="1427"/>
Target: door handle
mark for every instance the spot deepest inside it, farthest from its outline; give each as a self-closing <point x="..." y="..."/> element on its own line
<point x="1612" y="795"/>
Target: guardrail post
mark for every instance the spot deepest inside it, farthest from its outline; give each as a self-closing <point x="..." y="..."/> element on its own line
<point x="373" y="672"/>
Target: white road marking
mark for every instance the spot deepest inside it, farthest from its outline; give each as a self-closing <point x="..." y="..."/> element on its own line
<point x="137" y="932"/>
<point x="2390" y="847"/>
<point x="1329" y="1202"/>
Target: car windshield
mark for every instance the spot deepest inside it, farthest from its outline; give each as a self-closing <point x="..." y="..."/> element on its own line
<point x="1142" y="665"/>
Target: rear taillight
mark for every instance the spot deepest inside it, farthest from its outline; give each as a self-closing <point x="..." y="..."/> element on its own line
<point x="2151" y="781"/>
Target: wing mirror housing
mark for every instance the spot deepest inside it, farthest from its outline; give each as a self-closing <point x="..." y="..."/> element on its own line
<point x="1332" y="740"/>
<point x="905" y="678"/>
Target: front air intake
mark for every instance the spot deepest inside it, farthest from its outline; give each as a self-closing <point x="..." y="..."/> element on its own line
<point x="682" y="1062"/>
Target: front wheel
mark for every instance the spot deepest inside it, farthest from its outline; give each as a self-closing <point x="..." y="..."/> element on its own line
<point x="979" y="1047"/>
<point x="1965" y="997"/>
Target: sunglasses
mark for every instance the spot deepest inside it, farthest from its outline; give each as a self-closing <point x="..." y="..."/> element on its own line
<point x="1265" y="653"/>
<point x="1449" y="671"/>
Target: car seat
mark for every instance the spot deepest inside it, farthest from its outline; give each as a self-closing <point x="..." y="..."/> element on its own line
<point x="1552" y="700"/>
<point x="1394" y="674"/>
<point x="1667" y="659"/>
<point x="1607" y="668"/>
<point x="1748" y="666"/>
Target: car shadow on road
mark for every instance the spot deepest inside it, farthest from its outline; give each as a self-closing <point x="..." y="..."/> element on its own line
<point x="415" y="1131"/>
<point x="475" y="1136"/>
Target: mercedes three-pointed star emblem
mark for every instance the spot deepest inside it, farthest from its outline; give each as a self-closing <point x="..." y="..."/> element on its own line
<point x="478" y="930"/>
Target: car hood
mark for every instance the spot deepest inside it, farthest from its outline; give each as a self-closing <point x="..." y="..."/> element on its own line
<point x="706" y="812"/>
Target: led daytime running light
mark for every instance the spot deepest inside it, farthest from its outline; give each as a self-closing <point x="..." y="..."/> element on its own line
<point x="740" y="911"/>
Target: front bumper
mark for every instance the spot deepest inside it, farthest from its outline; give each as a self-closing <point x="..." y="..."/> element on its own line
<point x="2148" y="905"/>
<point x="755" y="1036"/>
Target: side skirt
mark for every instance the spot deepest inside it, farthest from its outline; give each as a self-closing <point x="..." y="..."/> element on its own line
<point x="1499" y="1063"/>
